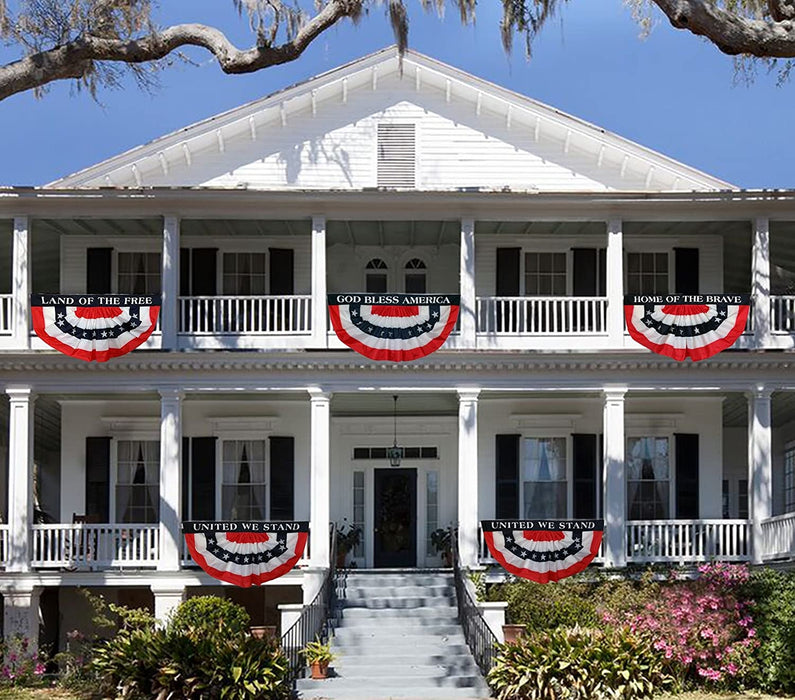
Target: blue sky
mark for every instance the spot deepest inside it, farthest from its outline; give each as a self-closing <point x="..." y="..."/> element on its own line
<point x="672" y="92"/>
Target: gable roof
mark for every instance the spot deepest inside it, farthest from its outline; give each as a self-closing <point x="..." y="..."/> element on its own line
<point x="611" y="161"/>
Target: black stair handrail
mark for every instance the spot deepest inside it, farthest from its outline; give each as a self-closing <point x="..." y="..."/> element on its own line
<point x="314" y="622"/>
<point x="479" y="637"/>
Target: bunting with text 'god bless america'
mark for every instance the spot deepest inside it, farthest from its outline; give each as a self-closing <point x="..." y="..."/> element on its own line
<point x="246" y="553"/>
<point x="394" y="327"/>
<point x="94" y="327"/>
<point x="543" y="550"/>
<point x="697" y="326"/>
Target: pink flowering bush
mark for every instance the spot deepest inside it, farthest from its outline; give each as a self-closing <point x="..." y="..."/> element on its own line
<point x="21" y="665"/>
<point x="703" y="629"/>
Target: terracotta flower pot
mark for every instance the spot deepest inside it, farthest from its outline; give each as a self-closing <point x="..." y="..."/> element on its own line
<point x="512" y="633"/>
<point x="319" y="670"/>
<point x="263" y="631"/>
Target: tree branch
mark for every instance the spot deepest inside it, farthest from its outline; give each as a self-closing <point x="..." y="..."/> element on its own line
<point x="730" y="32"/>
<point x="75" y="59"/>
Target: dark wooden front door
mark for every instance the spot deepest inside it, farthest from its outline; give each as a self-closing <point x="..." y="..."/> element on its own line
<point x="395" y="517"/>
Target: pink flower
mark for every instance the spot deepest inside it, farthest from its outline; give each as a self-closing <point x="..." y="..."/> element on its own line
<point x="39" y="670"/>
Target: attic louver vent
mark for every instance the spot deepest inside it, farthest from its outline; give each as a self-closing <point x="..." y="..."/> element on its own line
<point x="396" y="155"/>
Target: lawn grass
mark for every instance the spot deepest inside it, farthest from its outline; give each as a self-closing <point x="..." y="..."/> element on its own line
<point x="37" y="694"/>
<point x="699" y="695"/>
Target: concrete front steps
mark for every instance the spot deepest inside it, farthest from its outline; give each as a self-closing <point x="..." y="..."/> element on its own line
<point x="398" y="637"/>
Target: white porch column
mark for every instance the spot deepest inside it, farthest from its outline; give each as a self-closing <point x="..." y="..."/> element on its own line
<point x="760" y="282"/>
<point x="170" y="479"/>
<point x="615" y="500"/>
<point x="168" y="597"/>
<point x="760" y="466"/>
<point x="319" y="464"/>
<point x="468" y="476"/>
<point x="20" y="477"/>
<point x="21" y="613"/>
<point x="614" y="286"/>
<point x="468" y="308"/>
<point x="319" y="286"/>
<point x="20" y="283"/>
<point x="169" y="309"/>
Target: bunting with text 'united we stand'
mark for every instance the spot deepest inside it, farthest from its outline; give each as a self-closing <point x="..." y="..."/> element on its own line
<point x="394" y="327"/>
<point x="543" y="550"/>
<point x="94" y="327"/>
<point x="679" y="326"/>
<point x="246" y="553"/>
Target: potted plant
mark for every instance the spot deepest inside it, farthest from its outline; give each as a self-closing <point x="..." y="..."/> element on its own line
<point x="442" y="542"/>
<point x="348" y="536"/>
<point x="318" y="656"/>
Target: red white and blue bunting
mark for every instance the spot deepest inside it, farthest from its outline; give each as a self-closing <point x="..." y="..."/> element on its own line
<point x="697" y="326"/>
<point x="246" y="553"/>
<point x="543" y="550"/>
<point x="94" y="327"/>
<point x="394" y="327"/>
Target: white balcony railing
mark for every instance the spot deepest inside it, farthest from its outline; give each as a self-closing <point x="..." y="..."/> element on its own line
<point x="542" y="315"/>
<point x="251" y="315"/>
<point x="687" y="541"/>
<point x="778" y="537"/>
<point x="88" y="546"/>
<point x="782" y="314"/>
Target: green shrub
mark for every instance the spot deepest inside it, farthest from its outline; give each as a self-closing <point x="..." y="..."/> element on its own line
<point x="545" y="607"/>
<point x="570" y="664"/>
<point x="773" y="593"/>
<point x="208" y="613"/>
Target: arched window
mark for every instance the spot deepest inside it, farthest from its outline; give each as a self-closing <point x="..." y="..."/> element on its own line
<point x="415" y="276"/>
<point x="375" y="276"/>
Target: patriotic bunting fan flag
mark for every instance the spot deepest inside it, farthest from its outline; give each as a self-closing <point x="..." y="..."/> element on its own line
<point x="94" y="326"/>
<point x="697" y="326"/>
<point x="246" y="553"/>
<point x="543" y="550"/>
<point x="394" y="327"/>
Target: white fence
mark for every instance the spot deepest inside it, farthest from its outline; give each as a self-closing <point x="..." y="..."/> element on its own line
<point x="542" y="315"/>
<point x="88" y="546"/>
<point x="778" y="537"/>
<point x="687" y="541"/>
<point x="263" y="315"/>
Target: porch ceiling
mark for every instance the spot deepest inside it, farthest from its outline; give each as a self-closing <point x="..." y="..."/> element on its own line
<point x="735" y="409"/>
<point x="98" y="227"/>
<point x="393" y="233"/>
<point x="380" y="403"/>
<point x="246" y="228"/>
<point x="542" y="228"/>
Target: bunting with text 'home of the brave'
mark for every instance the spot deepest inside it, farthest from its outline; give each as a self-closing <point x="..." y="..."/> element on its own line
<point x="94" y="327"/>
<point x="394" y="327"/>
<point x="246" y="553"/>
<point x="543" y="550"/>
<point x="697" y="326"/>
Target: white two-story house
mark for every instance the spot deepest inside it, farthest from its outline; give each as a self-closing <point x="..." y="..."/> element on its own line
<point x="244" y="404"/>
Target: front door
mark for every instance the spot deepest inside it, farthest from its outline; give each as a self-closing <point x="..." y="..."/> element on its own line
<point x="395" y="517"/>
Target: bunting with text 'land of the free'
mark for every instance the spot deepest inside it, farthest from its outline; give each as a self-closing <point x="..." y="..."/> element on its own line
<point x="94" y="327"/>
<point x="679" y="326"/>
<point x="543" y="550"/>
<point x="394" y="327"/>
<point x="246" y="553"/>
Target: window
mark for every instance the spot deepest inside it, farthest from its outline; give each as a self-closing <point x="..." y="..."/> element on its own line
<point x="138" y="273"/>
<point x="375" y="276"/>
<point x="138" y="481"/>
<point x="647" y="273"/>
<point x="742" y="499"/>
<point x="415" y="277"/>
<point x="396" y="155"/>
<point x="408" y="452"/>
<point x="545" y="274"/>
<point x="789" y="479"/>
<point x="243" y="486"/>
<point x="358" y="511"/>
<point x="244" y="274"/>
<point x="648" y="478"/>
<point x="431" y="510"/>
<point x="544" y="485"/>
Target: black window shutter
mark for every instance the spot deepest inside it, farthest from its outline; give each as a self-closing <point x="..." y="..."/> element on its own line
<point x="184" y="272"/>
<point x="98" y="264"/>
<point x="280" y="270"/>
<point x="507" y="476"/>
<point x="584" y="457"/>
<point x="507" y="272"/>
<point x="203" y="272"/>
<point x="282" y="456"/>
<point x="185" y="466"/>
<point x="600" y="471"/>
<point x="584" y="272"/>
<point x="686" y="270"/>
<point x="98" y="478"/>
<point x="202" y="497"/>
<point x="601" y="287"/>
<point x="686" y="475"/>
